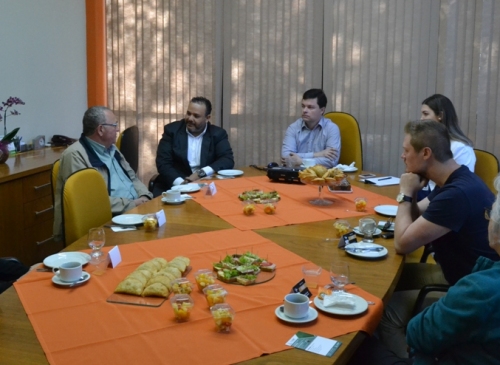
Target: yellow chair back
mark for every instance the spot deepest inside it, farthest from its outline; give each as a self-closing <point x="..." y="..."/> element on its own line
<point x="53" y="177"/>
<point x="85" y="204"/>
<point x="486" y="168"/>
<point x="351" y="147"/>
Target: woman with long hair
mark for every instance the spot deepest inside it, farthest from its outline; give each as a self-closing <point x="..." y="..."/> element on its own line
<point x="440" y="109"/>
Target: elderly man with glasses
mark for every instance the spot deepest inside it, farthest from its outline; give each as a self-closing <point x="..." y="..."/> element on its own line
<point x="96" y="148"/>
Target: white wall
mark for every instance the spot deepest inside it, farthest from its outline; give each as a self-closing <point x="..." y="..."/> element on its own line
<point x="43" y="62"/>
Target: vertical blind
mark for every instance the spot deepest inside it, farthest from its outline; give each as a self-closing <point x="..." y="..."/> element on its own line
<point x="272" y="54"/>
<point x="160" y="54"/>
<point x="375" y="59"/>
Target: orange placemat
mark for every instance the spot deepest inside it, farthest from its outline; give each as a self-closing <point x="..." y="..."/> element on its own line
<point x="78" y="326"/>
<point x="293" y="208"/>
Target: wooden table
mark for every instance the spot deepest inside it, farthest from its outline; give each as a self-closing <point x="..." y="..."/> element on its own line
<point x="18" y="342"/>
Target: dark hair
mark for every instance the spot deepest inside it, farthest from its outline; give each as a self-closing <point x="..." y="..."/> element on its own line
<point x="93" y="117"/>
<point x="205" y="101"/>
<point x="316" y="94"/>
<point x="432" y="134"/>
<point x="443" y="107"/>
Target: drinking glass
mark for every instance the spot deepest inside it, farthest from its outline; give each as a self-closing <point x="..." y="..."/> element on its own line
<point x="339" y="274"/>
<point x="96" y="240"/>
<point x="367" y="227"/>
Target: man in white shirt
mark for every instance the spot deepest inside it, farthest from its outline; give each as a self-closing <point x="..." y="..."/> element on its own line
<point x="312" y="136"/>
<point x="191" y="148"/>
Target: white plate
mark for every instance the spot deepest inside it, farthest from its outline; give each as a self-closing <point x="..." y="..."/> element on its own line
<point x="230" y="172"/>
<point x="128" y="219"/>
<point x="367" y="254"/>
<point x="312" y="314"/>
<point x="56" y="280"/>
<point x="389" y="210"/>
<point x="173" y="203"/>
<point x="56" y="260"/>
<point x="186" y="188"/>
<point x="358" y="232"/>
<point x="360" y="305"/>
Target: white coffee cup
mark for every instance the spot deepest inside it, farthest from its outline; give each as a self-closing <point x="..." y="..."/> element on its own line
<point x="308" y="162"/>
<point x="172" y="195"/>
<point x="69" y="271"/>
<point x="296" y="305"/>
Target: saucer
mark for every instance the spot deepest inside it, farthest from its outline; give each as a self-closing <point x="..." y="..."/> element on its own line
<point x="166" y="201"/>
<point x="187" y="188"/>
<point x="356" y="230"/>
<point x="311" y="316"/>
<point x="56" y="280"/>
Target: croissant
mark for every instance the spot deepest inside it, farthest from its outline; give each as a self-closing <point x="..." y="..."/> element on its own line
<point x="154" y="277"/>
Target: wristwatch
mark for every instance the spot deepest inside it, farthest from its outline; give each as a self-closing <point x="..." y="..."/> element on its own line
<point x="201" y="173"/>
<point x="403" y="198"/>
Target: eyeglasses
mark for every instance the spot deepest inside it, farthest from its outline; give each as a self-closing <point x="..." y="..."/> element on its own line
<point x="487" y="213"/>
<point x="115" y="125"/>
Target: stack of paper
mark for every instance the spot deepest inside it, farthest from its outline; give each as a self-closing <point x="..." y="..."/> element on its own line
<point x="383" y="180"/>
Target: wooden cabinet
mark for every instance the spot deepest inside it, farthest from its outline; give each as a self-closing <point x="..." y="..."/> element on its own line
<point x="27" y="212"/>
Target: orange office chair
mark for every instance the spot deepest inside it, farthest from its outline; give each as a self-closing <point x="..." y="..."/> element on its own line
<point x="486" y="168"/>
<point x="350" y="145"/>
<point x="85" y="204"/>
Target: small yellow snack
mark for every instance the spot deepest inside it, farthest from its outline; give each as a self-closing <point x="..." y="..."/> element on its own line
<point x="249" y="209"/>
<point x="223" y="316"/>
<point x="270" y="208"/>
<point x="215" y="294"/>
<point x="360" y="204"/>
<point x="204" y="278"/>
<point x="341" y="227"/>
<point x="182" y="305"/>
<point x="182" y="286"/>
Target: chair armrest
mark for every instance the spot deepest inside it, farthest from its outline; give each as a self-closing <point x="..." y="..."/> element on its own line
<point x="152" y="182"/>
<point x="423" y="293"/>
<point x="428" y="249"/>
<point x="11" y="259"/>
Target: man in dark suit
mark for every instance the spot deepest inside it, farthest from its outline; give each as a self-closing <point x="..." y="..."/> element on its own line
<point x="191" y="148"/>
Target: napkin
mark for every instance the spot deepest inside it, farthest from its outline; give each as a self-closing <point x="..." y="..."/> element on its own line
<point x="186" y="196"/>
<point x="123" y="229"/>
<point x="343" y="167"/>
<point x="339" y="299"/>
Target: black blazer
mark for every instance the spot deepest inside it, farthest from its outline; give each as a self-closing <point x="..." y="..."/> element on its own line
<point x="171" y="157"/>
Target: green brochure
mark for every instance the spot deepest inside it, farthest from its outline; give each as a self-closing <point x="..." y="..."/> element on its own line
<point x="315" y="344"/>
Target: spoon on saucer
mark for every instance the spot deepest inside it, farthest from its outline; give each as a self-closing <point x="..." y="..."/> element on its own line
<point x="79" y="281"/>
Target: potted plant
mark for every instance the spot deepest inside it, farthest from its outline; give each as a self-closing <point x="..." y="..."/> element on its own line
<point x="8" y="137"/>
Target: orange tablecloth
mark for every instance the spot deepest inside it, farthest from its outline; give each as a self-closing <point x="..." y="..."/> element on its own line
<point x="293" y="208"/>
<point x="78" y="326"/>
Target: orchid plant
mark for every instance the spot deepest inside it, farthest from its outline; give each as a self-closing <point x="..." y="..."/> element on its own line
<point x="8" y="137"/>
